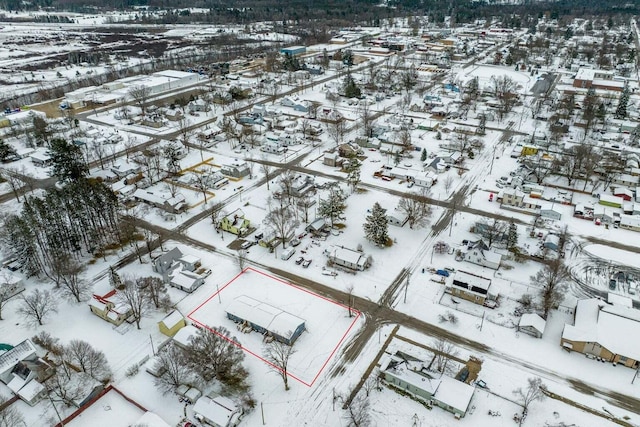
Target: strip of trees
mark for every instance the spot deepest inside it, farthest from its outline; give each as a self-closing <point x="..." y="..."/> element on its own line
<point x="51" y="233"/>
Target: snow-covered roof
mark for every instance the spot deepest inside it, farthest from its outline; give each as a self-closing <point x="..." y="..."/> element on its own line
<point x="476" y="281"/>
<point x="217" y="411"/>
<point x="611" y="326"/>
<point x="534" y="321"/>
<point x="184" y="281"/>
<point x="10" y="358"/>
<point x="30" y="390"/>
<point x="172" y="319"/>
<point x="267" y="316"/>
<point x="411" y="372"/>
<point x="454" y="393"/>
<point x="183" y="336"/>
<point x="149" y="419"/>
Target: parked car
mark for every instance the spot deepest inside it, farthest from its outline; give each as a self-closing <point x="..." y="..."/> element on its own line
<point x="307" y="263"/>
<point x="294" y="242"/>
<point x="246" y="244"/>
<point x="299" y="260"/>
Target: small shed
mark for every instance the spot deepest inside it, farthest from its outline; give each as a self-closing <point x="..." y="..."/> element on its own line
<point x="172" y="323"/>
<point x="532" y="324"/>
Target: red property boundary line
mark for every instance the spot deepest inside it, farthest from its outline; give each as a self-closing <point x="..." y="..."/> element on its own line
<point x="326" y="362"/>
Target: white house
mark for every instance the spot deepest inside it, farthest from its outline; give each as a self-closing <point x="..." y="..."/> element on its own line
<point x="480" y="254"/>
<point x="346" y="257"/>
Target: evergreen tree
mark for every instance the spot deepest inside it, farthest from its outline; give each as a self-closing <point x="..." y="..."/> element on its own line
<point x="423" y="156"/>
<point x="334" y="205"/>
<point x="67" y="160"/>
<point x="6" y="151"/>
<point x="635" y="136"/>
<point x="351" y="89"/>
<point x="621" y="111"/>
<point x="353" y="172"/>
<point x="512" y="235"/>
<point x="376" y="225"/>
<point x="482" y="124"/>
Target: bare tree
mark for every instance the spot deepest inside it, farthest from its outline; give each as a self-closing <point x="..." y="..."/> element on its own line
<point x="552" y="281"/>
<point x="132" y="295"/>
<point x="404" y="139"/>
<point x="504" y="89"/>
<point x="9" y="415"/>
<point x="277" y="354"/>
<point x="70" y="271"/>
<point x="337" y="129"/>
<point x="89" y="360"/>
<point x="358" y="414"/>
<point x="175" y="372"/>
<point x="14" y="181"/>
<point x="155" y="291"/>
<point x="217" y="213"/>
<point x="416" y="208"/>
<point x="534" y="391"/>
<point x="493" y="230"/>
<point x="213" y="354"/>
<point x="304" y="204"/>
<point x="366" y="118"/>
<point x="241" y="258"/>
<point x="140" y="95"/>
<point x="448" y="183"/>
<point x="266" y="170"/>
<point x="444" y="351"/>
<point x="281" y="219"/>
<point x="37" y="306"/>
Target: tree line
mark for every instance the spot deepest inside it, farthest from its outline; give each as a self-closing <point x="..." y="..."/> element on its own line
<point x="64" y="224"/>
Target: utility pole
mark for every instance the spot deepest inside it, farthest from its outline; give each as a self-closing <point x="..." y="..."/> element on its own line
<point x="218" y="292"/>
<point x="406" y="287"/>
<point x="152" y="348"/>
<point x="262" y="411"/>
<point x="493" y="156"/>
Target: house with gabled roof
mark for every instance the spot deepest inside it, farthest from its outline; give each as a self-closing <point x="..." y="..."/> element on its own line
<point x="470" y="287"/>
<point x="235" y="223"/>
<point x="109" y="307"/>
<point x="411" y="375"/>
<point x="23" y="371"/>
<point x="478" y="253"/>
<point x="604" y="331"/>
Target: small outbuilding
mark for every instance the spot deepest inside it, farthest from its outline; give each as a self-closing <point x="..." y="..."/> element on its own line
<point x="172" y="323"/>
<point x="532" y="324"/>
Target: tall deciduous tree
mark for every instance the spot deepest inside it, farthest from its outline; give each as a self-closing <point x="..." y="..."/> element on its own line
<point x="213" y="354"/>
<point x="415" y="207"/>
<point x="171" y="359"/>
<point x="552" y="281"/>
<point x="533" y="391"/>
<point x="140" y="96"/>
<point x="131" y="294"/>
<point x="281" y="219"/>
<point x="9" y="414"/>
<point x="376" y="225"/>
<point x="36" y="306"/>
<point x="84" y="356"/>
<point x="278" y="354"/>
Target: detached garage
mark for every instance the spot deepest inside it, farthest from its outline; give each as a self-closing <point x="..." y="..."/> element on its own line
<point x="266" y="319"/>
